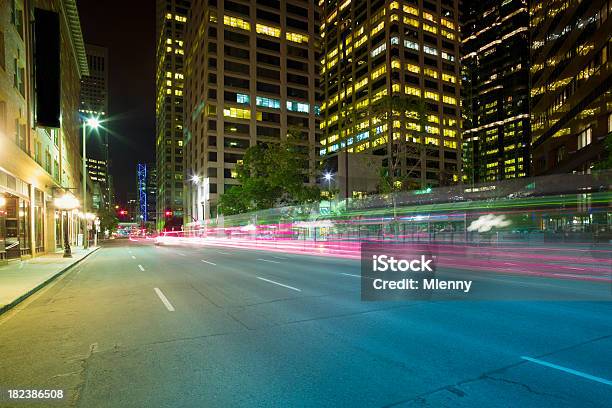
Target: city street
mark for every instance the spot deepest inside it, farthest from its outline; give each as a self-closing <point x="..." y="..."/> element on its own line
<point x="140" y="325"/>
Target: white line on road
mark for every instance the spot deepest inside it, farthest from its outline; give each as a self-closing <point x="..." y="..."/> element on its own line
<point x="279" y="284"/>
<point x="181" y="254"/>
<point x="350" y="274"/>
<point x="223" y="253"/>
<point x="164" y="300"/>
<point x="277" y="257"/>
<point x="267" y="260"/>
<point x="133" y="257"/>
<point x="569" y="370"/>
<point x="210" y="263"/>
<point x="140" y="267"/>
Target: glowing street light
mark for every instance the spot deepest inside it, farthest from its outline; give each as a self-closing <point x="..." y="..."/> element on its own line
<point x="93" y="122"/>
<point x="195" y="179"/>
<point x="2" y="201"/>
<point x="328" y="177"/>
<point x="65" y="203"/>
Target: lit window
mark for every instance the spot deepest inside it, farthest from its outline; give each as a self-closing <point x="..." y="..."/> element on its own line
<point x="379" y="27"/>
<point x="432" y="95"/>
<point x="584" y="138"/>
<point x="298" y="38"/>
<point x="267" y="102"/>
<point x="449" y="99"/>
<point x="180" y="19"/>
<point x="242" y="98"/>
<point x="430" y="72"/>
<point x="449" y="78"/>
<point x="411" y="45"/>
<point x="237" y="113"/>
<point x="411" y="21"/>
<point x="447" y="56"/>
<point x="378" y="50"/>
<point x="413" y="68"/>
<point x="268" y="30"/>
<point x="430" y="50"/>
<point x="379" y="71"/>
<point x="410" y="90"/>
<point x="448" y="24"/>
<point x="298" y="107"/>
<point x="236" y="22"/>
<point x="411" y="10"/>
<point x="429" y="28"/>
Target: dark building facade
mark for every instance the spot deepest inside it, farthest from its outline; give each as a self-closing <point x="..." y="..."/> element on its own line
<point x="375" y="49"/>
<point x="571" y="103"/>
<point x="170" y="34"/>
<point x="94" y="103"/>
<point x="251" y="77"/>
<point x="495" y="90"/>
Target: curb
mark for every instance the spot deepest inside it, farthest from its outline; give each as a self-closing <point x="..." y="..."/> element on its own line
<point x="9" y="306"/>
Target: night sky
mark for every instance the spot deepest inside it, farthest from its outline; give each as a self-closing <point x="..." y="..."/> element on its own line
<point x="127" y="29"/>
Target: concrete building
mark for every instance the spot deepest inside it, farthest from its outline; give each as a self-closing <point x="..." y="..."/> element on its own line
<point x="251" y="77"/>
<point x="571" y="79"/>
<point x="495" y="64"/>
<point x="94" y="103"/>
<point x="170" y="32"/>
<point x="40" y="154"/>
<point x="374" y="50"/>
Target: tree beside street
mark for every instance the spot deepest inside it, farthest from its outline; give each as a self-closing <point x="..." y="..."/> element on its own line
<point x="270" y="175"/>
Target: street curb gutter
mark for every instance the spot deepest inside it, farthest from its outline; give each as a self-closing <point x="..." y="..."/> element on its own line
<point x="9" y="306"/>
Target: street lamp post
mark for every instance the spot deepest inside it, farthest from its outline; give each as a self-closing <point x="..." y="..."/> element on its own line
<point x="328" y="177"/>
<point x="65" y="203"/>
<point x="93" y="123"/>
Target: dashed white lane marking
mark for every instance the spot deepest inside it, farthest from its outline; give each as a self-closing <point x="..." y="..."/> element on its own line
<point x="164" y="300"/>
<point x="568" y="370"/>
<point x="350" y="274"/>
<point x="208" y="262"/>
<point x="140" y="267"/>
<point x="223" y="253"/>
<point x="181" y="254"/>
<point x="279" y="284"/>
<point x="267" y="260"/>
<point x="133" y="257"/>
<point x="277" y="257"/>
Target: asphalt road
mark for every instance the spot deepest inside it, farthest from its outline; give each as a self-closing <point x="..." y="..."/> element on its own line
<point x="137" y="325"/>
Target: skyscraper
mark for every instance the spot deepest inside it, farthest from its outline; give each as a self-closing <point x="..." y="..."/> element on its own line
<point x="251" y="77"/>
<point x="170" y="31"/>
<point x="495" y="64"/>
<point x="571" y="81"/>
<point x="374" y="50"/>
<point x="94" y="102"/>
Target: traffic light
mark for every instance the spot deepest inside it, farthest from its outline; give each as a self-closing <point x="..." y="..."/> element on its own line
<point x="168" y="213"/>
<point x="123" y="212"/>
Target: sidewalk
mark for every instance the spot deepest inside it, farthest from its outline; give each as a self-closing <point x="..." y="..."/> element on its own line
<point x="20" y="279"/>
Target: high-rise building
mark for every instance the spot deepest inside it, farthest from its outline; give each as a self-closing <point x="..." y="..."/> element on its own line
<point x="94" y="87"/>
<point x="495" y="65"/>
<point x="251" y="77"/>
<point x="147" y="192"/>
<point x="571" y="104"/>
<point x="39" y="125"/>
<point x="377" y="50"/>
<point x="170" y="29"/>
<point x="94" y="103"/>
<point x="97" y="170"/>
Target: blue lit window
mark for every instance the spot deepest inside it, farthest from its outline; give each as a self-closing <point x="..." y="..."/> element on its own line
<point x="298" y="107"/>
<point x="268" y="102"/>
<point x="242" y="98"/>
<point x="412" y="45"/>
<point x="362" y="136"/>
<point x="430" y="50"/>
<point x="317" y="110"/>
<point x="394" y="40"/>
